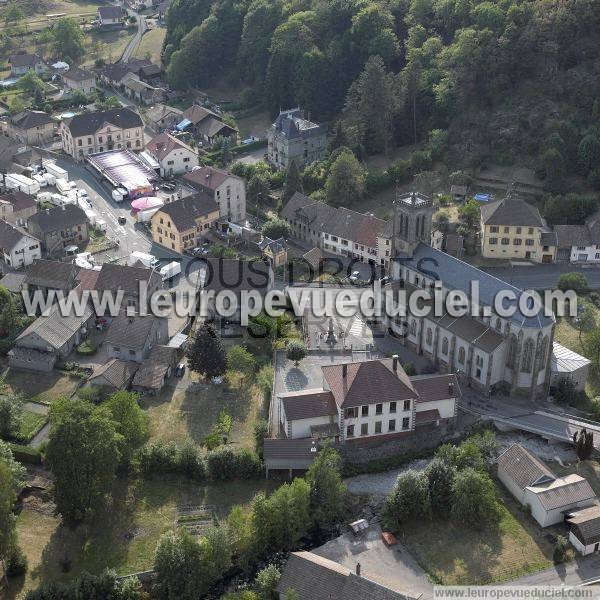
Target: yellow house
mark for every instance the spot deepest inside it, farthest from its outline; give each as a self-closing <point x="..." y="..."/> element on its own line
<point x="513" y="229"/>
<point x="274" y="250"/>
<point x="180" y="225"/>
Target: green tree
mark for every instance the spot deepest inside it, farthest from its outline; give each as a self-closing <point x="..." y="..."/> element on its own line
<point x="295" y="351"/>
<point x="206" y="354"/>
<point x="468" y="213"/>
<point x="588" y="153"/>
<point x="16" y="105"/>
<point x="474" y="501"/>
<point x="409" y="499"/>
<point x="30" y="83"/>
<point x="573" y="281"/>
<point x="345" y="185"/>
<point x="440" y="476"/>
<point x="258" y="188"/>
<point x="17" y="470"/>
<point x="11" y="414"/>
<point x="592" y="346"/>
<point x="584" y="443"/>
<point x="83" y="455"/>
<point x="560" y="549"/>
<point x="131" y="422"/>
<point x="68" y="39"/>
<point x="7" y="518"/>
<point x="266" y="582"/>
<point x="293" y="182"/>
<point x="327" y="490"/>
<point x="240" y="360"/>
<point x="276" y="228"/>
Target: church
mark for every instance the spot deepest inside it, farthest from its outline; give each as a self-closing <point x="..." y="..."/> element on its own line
<point x="488" y="352"/>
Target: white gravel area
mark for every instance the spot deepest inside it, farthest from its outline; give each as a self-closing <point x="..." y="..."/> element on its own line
<point x="383" y="483"/>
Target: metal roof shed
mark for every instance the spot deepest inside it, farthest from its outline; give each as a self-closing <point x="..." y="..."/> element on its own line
<point x="568" y="364"/>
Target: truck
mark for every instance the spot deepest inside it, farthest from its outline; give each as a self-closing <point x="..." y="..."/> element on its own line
<point x="50" y="179"/>
<point x="14" y="181"/>
<point x="148" y="260"/>
<point x="170" y="270"/>
<point x="119" y="194"/>
<point x="91" y="216"/>
<point x="62" y="185"/>
<point x="54" y="169"/>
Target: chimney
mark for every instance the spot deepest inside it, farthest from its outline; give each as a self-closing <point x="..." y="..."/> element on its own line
<point x="344" y="371"/>
<point x="451" y="388"/>
<point x="358" y="569"/>
<point x="395" y="362"/>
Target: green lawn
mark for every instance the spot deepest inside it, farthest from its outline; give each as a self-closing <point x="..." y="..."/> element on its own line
<point x="151" y="44"/>
<point x="124" y="538"/>
<point x="39" y="387"/>
<point x="453" y="554"/>
<point x="31" y="423"/>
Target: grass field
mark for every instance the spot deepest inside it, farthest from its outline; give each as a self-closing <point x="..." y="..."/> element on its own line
<point x="124" y="538"/>
<point x="151" y="44"/>
<point x="39" y="387"/>
<point x="31" y="423"/>
<point x="453" y="554"/>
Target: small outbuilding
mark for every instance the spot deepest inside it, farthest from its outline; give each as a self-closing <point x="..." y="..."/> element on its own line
<point x="585" y="529"/>
<point x="566" y="364"/>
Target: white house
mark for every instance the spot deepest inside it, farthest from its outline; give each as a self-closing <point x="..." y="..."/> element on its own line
<point x="368" y="399"/>
<point x="23" y="63"/>
<point x="227" y="190"/>
<point x="585" y="530"/>
<point x="173" y="156"/>
<point x="17" y="247"/>
<point x="549" y="498"/>
<point x="111" y="16"/>
<point x="579" y="243"/>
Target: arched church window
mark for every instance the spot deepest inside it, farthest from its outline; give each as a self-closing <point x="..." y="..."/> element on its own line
<point x="461" y="356"/>
<point x="512" y="352"/>
<point x="445" y="346"/>
<point x="527" y="357"/>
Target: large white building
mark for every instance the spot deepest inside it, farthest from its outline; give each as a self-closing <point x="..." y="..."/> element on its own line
<point x="174" y="156"/>
<point x="17" y="247"/>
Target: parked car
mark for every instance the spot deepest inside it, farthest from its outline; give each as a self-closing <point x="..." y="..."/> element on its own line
<point x="355" y="276"/>
<point x="180" y="370"/>
<point x="122" y="220"/>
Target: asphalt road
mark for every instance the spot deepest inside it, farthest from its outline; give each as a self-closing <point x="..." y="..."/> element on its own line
<point x="542" y="277"/>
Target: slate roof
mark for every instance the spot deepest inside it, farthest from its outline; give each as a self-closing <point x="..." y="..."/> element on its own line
<point x="159" y="111"/>
<point x="285" y="448"/>
<point x="572" y="235"/>
<point x="523" y="467"/>
<point x="19" y="200"/>
<point x="368" y="382"/>
<point x="130" y="332"/>
<point x="78" y="74"/>
<point x="163" y="144"/>
<point x="11" y="235"/>
<point x="153" y="370"/>
<point x="563" y="492"/>
<point x="89" y="123"/>
<point x="585" y="525"/>
<point x="275" y="246"/>
<point x="291" y="124"/>
<point x="58" y="218"/>
<point x="313" y="577"/>
<point x="122" y="277"/>
<point x="111" y="12"/>
<point x="341" y="222"/>
<point x="24" y="60"/>
<point x="306" y="404"/>
<point x="29" y="119"/>
<point x="197" y="113"/>
<point x="117" y="373"/>
<point x="237" y="275"/>
<point x="436" y="387"/>
<point x="511" y="212"/>
<point x="458" y="275"/>
<point x="185" y="211"/>
<point x="212" y="127"/>
<point x="208" y="178"/>
<point x="51" y="274"/>
<point x="13" y="282"/>
<point x="427" y="416"/>
<point x="55" y="329"/>
<point x="87" y="278"/>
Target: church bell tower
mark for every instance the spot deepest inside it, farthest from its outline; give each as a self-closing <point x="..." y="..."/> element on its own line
<point x="413" y="213"/>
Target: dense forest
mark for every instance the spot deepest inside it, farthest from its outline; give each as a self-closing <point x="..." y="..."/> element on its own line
<point x="503" y="74"/>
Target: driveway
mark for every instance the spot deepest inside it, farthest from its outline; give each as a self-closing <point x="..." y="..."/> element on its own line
<point x="393" y="567"/>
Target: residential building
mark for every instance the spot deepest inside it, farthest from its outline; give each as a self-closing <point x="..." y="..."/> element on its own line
<point x="50" y="339"/>
<point x="289" y="454"/>
<point x="584" y="531"/>
<point x="113" y="376"/>
<point x="206" y="125"/>
<point x="132" y="337"/>
<point x="137" y="283"/>
<point x="514" y="229"/>
<point x="338" y="230"/>
<point x="13" y="281"/>
<point x="154" y="371"/>
<point x="368" y="400"/>
<point x="59" y="227"/>
<point x="162" y="117"/>
<point x="274" y="250"/>
<point x="313" y="577"/>
<point x="17" y="207"/>
<point x="227" y="190"/>
<point x="22" y="63"/>
<point x="579" y="243"/>
<point x="89" y="133"/>
<point x="17" y="247"/>
<point x="173" y="156"/>
<point x="111" y="16"/>
<point x="491" y="352"/>
<point x="534" y="485"/>
<point x="80" y="80"/>
<point x="293" y="138"/>
<point x="142" y="92"/>
<point x="140" y="68"/>
<point x="181" y="225"/>
<point x="31" y="127"/>
<point x="51" y="275"/>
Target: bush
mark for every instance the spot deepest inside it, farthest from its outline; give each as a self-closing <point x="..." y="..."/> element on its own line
<point x="573" y="281"/>
<point x="225" y="463"/>
<point x="409" y="500"/>
<point x="295" y="351"/>
<point x="167" y="458"/>
<point x="87" y="348"/>
<point x="560" y="549"/>
<point x="16" y="562"/>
